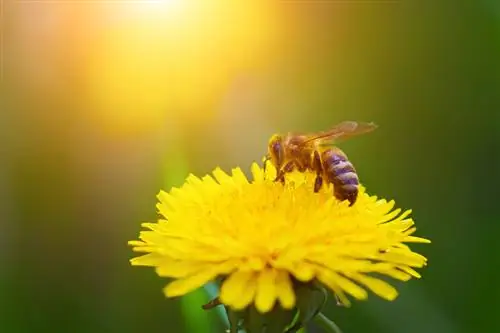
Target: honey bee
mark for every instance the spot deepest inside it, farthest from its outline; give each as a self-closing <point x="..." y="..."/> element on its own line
<point x="318" y="153"/>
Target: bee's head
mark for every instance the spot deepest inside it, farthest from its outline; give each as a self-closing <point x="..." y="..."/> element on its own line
<point x="276" y="150"/>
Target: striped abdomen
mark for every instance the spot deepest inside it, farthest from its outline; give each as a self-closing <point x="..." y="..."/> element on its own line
<point x="339" y="171"/>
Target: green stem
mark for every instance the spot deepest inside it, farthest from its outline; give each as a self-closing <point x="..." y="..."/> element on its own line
<point x="212" y="291"/>
<point x="327" y="324"/>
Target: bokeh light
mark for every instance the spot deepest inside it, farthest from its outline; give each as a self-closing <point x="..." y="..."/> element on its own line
<point x="173" y="61"/>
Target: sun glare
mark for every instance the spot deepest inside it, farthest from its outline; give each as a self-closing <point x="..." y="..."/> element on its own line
<point x="174" y="59"/>
<point x="152" y="10"/>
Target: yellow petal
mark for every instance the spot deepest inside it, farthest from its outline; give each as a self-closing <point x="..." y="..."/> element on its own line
<point x="150" y="259"/>
<point x="266" y="290"/>
<point x="390" y="216"/>
<point x="166" y="202"/>
<point x="410" y="271"/>
<point x="136" y="243"/>
<point x="193" y="180"/>
<point x="180" y="268"/>
<point x="404" y="215"/>
<point x="164" y="197"/>
<point x="395" y="273"/>
<point x="222" y="177"/>
<point x="183" y="286"/>
<point x="234" y="286"/>
<point x="252" y="264"/>
<point x="257" y="172"/>
<point x="284" y="290"/>
<point x="342" y="298"/>
<point x="413" y="239"/>
<point x="379" y="287"/>
<point x="239" y="177"/>
<point x="402" y="256"/>
<point x="302" y="271"/>
<point x="248" y="293"/>
<point x="198" y="279"/>
<point x="209" y="181"/>
<point x="335" y="281"/>
<point x="147" y="249"/>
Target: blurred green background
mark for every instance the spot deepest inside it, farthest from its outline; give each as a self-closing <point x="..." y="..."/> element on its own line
<point x="105" y="103"/>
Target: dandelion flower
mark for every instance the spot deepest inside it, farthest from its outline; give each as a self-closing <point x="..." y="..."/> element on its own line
<point x="263" y="239"/>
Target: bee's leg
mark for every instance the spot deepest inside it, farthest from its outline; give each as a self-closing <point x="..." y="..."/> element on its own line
<point x="280" y="176"/>
<point x="319" y="171"/>
<point x="300" y="166"/>
<point x="318" y="182"/>
<point x="289" y="167"/>
<point x="264" y="162"/>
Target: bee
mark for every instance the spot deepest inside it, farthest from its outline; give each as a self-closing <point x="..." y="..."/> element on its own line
<point x="317" y="152"/>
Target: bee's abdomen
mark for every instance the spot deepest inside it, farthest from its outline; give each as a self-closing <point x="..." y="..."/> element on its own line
<point x="341" y="172"/>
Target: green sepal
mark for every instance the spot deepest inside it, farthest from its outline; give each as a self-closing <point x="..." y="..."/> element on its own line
<point x="275" y="321"/>
<point x="311" y="298"/>
<point x="295" y="325"/>
<point x="327" y="324"/>
<point x="234" y="318"/>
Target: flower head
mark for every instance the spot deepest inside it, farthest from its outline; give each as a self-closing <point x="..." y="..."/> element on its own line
<point x="262" y="238"/>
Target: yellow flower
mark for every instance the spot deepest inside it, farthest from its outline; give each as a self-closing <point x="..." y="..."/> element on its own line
<point x="262" y="238"/>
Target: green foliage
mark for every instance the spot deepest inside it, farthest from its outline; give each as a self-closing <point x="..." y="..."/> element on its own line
<point x="197" y="320"/>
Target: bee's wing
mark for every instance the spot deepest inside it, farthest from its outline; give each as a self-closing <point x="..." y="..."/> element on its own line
<point x="341" y="132"/>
